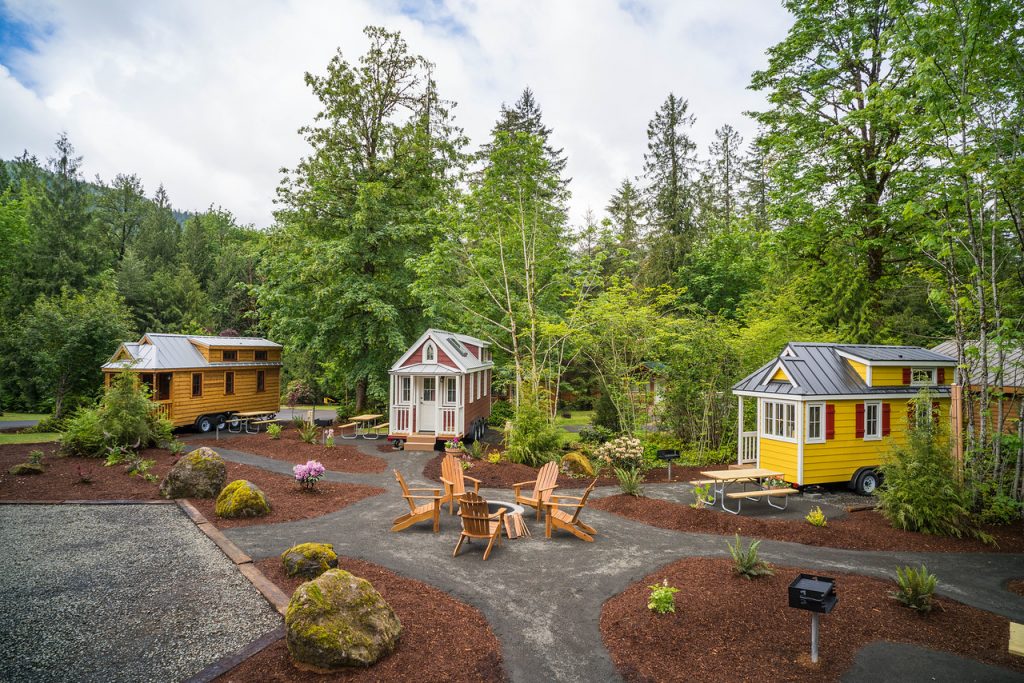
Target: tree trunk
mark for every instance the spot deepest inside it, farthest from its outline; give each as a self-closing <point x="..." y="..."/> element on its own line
<point x="360" y="395"/>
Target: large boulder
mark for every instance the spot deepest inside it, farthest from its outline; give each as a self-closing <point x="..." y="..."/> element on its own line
<point x="309" y="560"/>
<point x="337" y="621"/>
<point x="24" y="468"/>
<point x="242" y="498"/>
<point x="200" y="474"/>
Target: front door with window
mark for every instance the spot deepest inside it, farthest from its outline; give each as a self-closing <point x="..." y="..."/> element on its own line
<point x="427" y="410"/>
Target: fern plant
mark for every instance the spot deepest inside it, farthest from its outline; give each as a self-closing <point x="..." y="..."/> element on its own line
<point x="816" y="517"/>
<point x="746" y="562"/>
<point x="307" y="432"/>
<point x="578" y="462"/>
<point x="915" y="588"/>
<point x="701" y="496"/>
<point x="629" y="481"/>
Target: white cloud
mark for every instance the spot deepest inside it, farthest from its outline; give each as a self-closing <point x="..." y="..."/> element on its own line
<point x="206" y="97"/>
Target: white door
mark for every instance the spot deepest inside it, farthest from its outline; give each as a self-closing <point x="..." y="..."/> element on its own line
<point x="427" y="410"/>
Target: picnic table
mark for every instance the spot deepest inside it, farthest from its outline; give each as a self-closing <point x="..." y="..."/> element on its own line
<point x="719" y="479"/>
<point x="244" y="420"/>
<point x="360" y="423"/>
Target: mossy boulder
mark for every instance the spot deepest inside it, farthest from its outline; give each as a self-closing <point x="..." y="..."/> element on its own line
<point x="338" y="621"/>
<point x="242" y="498"/>
<point x="26" y="468"/>
<point x="200" y="474"/>
<point x="309" y="560"/>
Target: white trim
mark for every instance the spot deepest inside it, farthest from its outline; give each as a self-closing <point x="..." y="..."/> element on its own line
<point x="456" y="359"/>
<point x="938" y="390"/>
<point x="775" y="368"/>
<point x="799" y="445"/>
<point x="932" y="376"/>
<point x="869" y="375"/>
<point x="472" y="382"/>
<point x="878" y="421"/>
<point x="762" y="413"/>
<point x="821" y="422"/>
<point x="449" y="382"/>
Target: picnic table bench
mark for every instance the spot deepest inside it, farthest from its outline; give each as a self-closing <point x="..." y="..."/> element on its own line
<point x="767" y="494"/>
<point x="719" y="479"/>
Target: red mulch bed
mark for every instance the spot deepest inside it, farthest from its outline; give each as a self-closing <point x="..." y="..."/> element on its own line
<point x="727" y="626"/>
<point x="502" y="475"/>
<point x="864" y="530"/>
<point x="62" y="481"/>
<point x="290" y="448"/>
<point x="442" y="639"/>
<point x="1016" y="586"/>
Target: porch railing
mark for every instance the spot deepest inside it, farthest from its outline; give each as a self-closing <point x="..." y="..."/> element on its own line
<point x="400" y="422"/>
<point x="448" y="420"/>
<point x="748" y="448"/>
<point x="163" y="409"/>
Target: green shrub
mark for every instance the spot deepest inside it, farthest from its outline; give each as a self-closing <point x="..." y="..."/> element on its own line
<point x="307" y="432"/>
<point x="745" y="561"/>
<point x="274" y="431"/>
<point x="532" y="438"/>
<point x="921" y="491"/>
<point x="701" y="496"/>
<point x="83" y="434"/>
<point x="630" y="481"/>
<point x="577" y="463"/>
<point x="606" y="416"/>
<point x="915" y="588"/>
<point x="501" y="412"/>
<point x="125" y="418"/>
<point x="595" y="435"/>
<point x="35" y="457"/>
<point x="176" y="447"/>
<point x="663" y="598"/>
<point x="476" y="450"/>
<point x="816" y="517"/>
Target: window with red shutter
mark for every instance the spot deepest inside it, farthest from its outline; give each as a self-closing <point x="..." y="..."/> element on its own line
<point x="935" y="412"/>
<point x="942" y="375"/>
<point x="830" y="421"/>
<point x="860" y="421"/>
<point x="886" y="418"/>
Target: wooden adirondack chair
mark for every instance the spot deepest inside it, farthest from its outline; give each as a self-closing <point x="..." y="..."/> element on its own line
<point x="454" y="480"/>
<point x="418" y="513"/>
<point x="477" y="522"/>
<point x="557" y="519"/>
<point x="543" y="485"/>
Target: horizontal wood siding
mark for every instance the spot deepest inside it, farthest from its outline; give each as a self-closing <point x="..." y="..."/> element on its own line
<point x="893" y="376"/>
<point x="779" y="456"/>
<point x="860" y="368"/>
<point x="480" y="407"/>
<point x="245" y="355"/>
<point x="839" y="458"/>
<point x="185" y="409"/>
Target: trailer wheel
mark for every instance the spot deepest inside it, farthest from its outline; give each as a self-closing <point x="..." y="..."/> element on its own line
<point x="867" y="482"/>
<point x="204" y="423"/>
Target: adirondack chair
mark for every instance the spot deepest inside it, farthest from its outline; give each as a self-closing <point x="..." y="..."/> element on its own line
<point x="418" y="513"/>
<point x="543" y="485"/>
<point x="477" y="522"/>
<point x="454" y="480"/>
<point x="557" y="519"/>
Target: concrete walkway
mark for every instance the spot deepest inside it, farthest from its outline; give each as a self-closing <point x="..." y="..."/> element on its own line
<point x="543" y="597"/>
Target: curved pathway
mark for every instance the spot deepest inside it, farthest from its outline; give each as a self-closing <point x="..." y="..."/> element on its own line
<point x="543" y="598"/>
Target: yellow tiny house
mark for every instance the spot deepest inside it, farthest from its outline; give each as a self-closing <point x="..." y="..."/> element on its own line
<point x="201" y="381"/>
<point x="829" y="413"/>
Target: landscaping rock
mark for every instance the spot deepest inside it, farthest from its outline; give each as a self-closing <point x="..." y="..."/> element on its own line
<point x="309" y="560"/>
<point x="24" y="468"/>
<point x="242" y="498"/>
<point x="200" y="474"/>
<point x="338" y="621"/>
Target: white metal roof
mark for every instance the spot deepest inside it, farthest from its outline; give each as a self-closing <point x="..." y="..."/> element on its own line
<point x="233" y="342"/>
<point x="453" y="345"/>
<point x="157" y="351"/>
<point x="427" y="369"/>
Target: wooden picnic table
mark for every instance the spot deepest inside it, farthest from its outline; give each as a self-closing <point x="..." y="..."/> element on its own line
<point x="369" y="417"/>
<point x="243" y="420"/>
<point x="721" y="478"/>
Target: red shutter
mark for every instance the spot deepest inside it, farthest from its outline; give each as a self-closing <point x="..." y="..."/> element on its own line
<point x="886" y="409"/>
<point x="830" y="421"/>
<point x="935" y="411"/>
<point x="942" y="375"/>
<point x="860" y="420"/>
<point x="906" y="375"/>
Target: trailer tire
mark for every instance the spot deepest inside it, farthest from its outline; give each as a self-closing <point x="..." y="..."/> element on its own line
<point x="205" y="423"/>
<point x="867" y="482"/>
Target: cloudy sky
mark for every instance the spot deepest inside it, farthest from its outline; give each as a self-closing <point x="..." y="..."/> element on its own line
<point x="206" y="97"/>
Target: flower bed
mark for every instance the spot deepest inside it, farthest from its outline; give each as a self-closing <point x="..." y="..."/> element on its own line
<point x="433" y="622"/>
<point x="290" y="448"/>
<point x="865" y="530"/>
<point x="728" y="626"/>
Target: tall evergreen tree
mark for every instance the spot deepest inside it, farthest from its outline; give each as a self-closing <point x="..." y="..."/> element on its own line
<point x="120" y="212"/>
<point x="525" y="116"/>
<point x="628" y="213"/>
<point x="725" y="172"/>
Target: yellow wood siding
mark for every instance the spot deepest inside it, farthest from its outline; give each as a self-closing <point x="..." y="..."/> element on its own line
<point x="860" y="369"/>
<point x="779" y="456"/>
<point x="185" y="409"/>
<point x="779" y="376"/>
<point x="838" y="459"/>
<point x="886" y="377"/>
<point x="245" y="355"/>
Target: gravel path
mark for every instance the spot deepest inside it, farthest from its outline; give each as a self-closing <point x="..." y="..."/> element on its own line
<point x="118" y="592"/>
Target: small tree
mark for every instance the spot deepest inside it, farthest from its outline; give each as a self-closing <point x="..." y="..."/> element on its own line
<point x="532" y="437"/>
<point x="125" y="418"/>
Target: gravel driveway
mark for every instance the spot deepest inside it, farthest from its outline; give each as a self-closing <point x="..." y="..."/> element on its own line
<point x="118" y="592"/>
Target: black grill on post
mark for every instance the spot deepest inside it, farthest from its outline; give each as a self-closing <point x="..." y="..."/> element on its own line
<point x="817" y="595"/>
<point x="668" y="455"/>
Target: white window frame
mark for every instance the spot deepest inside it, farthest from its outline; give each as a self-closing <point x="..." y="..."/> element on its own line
<point x="432" y="390"/>
<point x="429" y="352"/>
<point x="451" y="390"/>
<point x="779" y="420"/>
<point x="918" y="383"/>
<point x="487" y="382"/>
<point x="819" y="406"/>
<point x="479" y="384"/>
<point x="472" y="386"/>
<point x="405" y="390"/>
<point x="877" y="405"/>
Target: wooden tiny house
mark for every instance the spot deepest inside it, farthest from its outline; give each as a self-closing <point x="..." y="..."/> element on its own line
<point x="831" y="412"/>
<point x="201" y="381"/>
<point x="440" y="389"/>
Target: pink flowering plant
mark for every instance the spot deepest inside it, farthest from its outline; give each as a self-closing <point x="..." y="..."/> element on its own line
<point x="625" y="452"/>
<point x="309" y="474"/>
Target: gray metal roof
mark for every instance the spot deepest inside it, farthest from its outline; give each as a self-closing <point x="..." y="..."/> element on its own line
<point x="1013" y="364"/>
<point x="234" y="342"/>
<point x="175" y="352"/>
<point x="453" y="345"/>
<point x="818" y="370"/>
<point x="911" y="354"/>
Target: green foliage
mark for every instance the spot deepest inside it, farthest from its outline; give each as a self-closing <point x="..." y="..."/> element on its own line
<point x="176" y="447"/>
<point x="308" y="432"/>
<point x="816" y="517"/>
<point x="532" y="439"/>
<point x="663" y="598"/>
<point x="476" y="450"/>
<point x="501" y="412"/>
<point x="624" y="452"/>
<point x="745" y="561"/>
<point x="595" y="435"/>
<point x="630" y="481"/>
<point x="605" y="416"/>
<point x="494" y="458"/>
<point x="83" y="434"/>
<point x="35" y="457"/>
<point x="577" y="463"/>
<point x="915" y="588"/>
<point x="125" y="418"/>
<point x="702" y="496"/>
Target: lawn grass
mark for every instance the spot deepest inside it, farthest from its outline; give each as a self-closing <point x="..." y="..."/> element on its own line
<point x="566" y="438"/>
<point x="578" y="419"/>
<point x="21" y="417"/>
<point x="42" y="437"/>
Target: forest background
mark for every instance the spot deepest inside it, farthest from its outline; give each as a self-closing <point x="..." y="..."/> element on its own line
<point x="882" y="201"/>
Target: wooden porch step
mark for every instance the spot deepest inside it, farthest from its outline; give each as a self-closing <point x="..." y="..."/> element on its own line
<point x="420" y="442"/>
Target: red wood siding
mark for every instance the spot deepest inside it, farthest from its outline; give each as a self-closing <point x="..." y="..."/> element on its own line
<point x="480" y="407"/>
<point x="417" y="357"/>
<point x="473" y="349"/>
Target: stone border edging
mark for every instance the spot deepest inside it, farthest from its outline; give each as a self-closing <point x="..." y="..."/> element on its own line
<point x="229" y="662"/>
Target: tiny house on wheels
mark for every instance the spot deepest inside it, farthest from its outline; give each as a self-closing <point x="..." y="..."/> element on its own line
<point x="202" y="381"/>
<point x="830" y="413"/>
<point x="440" y="389"/>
